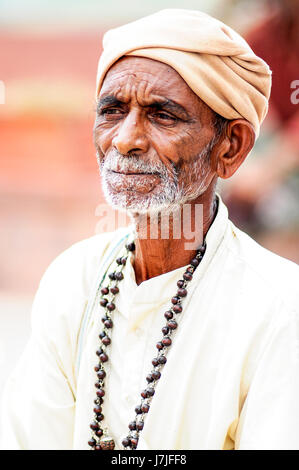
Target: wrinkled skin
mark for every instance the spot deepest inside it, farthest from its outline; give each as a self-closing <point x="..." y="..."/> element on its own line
<point x="149" y="118"/>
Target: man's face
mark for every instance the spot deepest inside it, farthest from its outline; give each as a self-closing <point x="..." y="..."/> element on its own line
<point x="153" y="137"/>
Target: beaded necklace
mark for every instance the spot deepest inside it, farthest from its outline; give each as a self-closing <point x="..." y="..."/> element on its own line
<point x="100" y="439"/>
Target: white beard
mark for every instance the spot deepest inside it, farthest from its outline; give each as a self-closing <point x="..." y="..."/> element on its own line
<point x="171" y="194"/>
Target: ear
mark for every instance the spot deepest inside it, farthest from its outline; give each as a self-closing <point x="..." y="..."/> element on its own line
<point x="233" y="148"/>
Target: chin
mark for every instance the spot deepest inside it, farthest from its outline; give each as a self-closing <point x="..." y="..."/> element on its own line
<point x="133" y="203"/>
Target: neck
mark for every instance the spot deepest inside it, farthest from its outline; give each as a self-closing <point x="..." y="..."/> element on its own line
<point x="169" y="241"/>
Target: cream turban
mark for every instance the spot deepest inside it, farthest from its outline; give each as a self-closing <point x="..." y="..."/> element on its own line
<point x="215" y="61"/>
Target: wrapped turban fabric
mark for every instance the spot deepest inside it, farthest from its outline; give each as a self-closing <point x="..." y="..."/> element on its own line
<point x="215" y="61"/>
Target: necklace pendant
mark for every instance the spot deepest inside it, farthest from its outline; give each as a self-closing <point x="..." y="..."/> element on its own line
<point x="107" y="443"/>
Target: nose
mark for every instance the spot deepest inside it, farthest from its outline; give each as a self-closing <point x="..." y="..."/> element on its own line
<point x="130" y="136"/>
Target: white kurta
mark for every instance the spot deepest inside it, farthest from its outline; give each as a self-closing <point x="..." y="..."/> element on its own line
<point x="232" y="376"/>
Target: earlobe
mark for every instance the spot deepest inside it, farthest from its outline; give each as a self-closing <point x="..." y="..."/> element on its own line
<point x="234" y="148"/>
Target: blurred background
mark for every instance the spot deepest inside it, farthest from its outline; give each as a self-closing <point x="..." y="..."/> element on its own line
<point x="49" y="183"/>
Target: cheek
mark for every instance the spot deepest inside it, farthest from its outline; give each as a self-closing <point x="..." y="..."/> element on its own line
<point x="177" y="146"/>
<point x="103" y="136"/>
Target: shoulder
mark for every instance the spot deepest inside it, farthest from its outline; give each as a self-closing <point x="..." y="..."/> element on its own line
<point x="79" y="262"/>
<point x="262" y="298"/>
<point x="65" y="287"/>
<point x="267" y="272"/>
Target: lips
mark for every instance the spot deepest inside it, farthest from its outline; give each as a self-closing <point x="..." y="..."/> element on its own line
<point x="137" y="182"/>
<point x="130" y="173"/>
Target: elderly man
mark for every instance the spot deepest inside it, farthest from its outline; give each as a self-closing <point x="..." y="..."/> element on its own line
<point x="141" y="341"/>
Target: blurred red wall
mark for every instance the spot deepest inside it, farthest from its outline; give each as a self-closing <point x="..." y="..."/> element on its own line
<point x="49" y="183"/>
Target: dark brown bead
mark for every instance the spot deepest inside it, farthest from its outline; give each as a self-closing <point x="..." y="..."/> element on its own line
<point x="104" y="357"/>
<point x="159" y="345"/>
<point x="110" y="306"/>
<point x="114" y="290"/>
<point x="145" y="408"/>
<point x="105" y="290"/>
<point x="118" y="260"/>
<point x="177" y="308"/>
<point x="134" y="442"/>
<point x="155" y="361"/>
<point x="130" y="246"/>
<point x="132" y="425"/>
<point x="194" y="262"/>
<point x="190" y="269"/>
<point x="112" y="276"/>
<point x="150" y="391"/>
<point x="162" y="360"/>
<point x="180" y="283"/>
<point x="102" y="335"/>
<point x="106" y="340"/>
<point x="140" y="425"/>
<point x="97" y="447"/>
<point x="98" y="384"/>
<point x="99" y="352"/>
<point x="97" y="409"/>
<point x="126" y="442"/>
<point x="149" y="377"/>
<point x="168" y="314"/>
<point x="156" y="374"/>
<point x="99" y="433"/>
<point x="124" y="260"/>
<point x="175" y="300"/>
<point x="182" y="292"/>
<point x="138" y="410"/>
<point x="166" y="341"/>
<point x="107" y="443"/>
<point x="103" y="302"/>
<point x="172" y="324"/>
<point x="100" y="392"/>
<point x="165" y="330"/>
<point x="94" y="426"/>
<point x="108" y="323"/>
<point x="104" y="318"/>
<point x="187" y="276"/>
<point x="100" y="417"/>
<point x="202" y="249"/>
<point x="144" y="394"/>
<point x="119" y="275"/>
<point x="92" y="442"/>
<point x="97" y="368"/>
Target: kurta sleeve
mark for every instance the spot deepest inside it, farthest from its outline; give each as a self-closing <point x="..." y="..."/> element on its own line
<point x="39" y="397"/>
<point x="269" y="419"/>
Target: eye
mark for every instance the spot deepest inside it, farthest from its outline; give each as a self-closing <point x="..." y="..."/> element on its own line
<point x="164" y="118"/>
<point x="110" y="113"/>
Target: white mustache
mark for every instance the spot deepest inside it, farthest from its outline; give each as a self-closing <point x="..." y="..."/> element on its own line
<point x="119" y="163"/>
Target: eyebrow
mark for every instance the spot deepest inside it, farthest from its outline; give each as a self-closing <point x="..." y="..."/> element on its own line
<point x="171" y="106"/>
<point x="159" y="104"/>
<point x="108" y="100"/>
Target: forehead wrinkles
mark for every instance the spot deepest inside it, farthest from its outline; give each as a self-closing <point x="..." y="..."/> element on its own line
<point x="143" y="86"/>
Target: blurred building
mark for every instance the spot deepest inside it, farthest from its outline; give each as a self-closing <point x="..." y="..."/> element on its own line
<point x="263" y="196"/>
